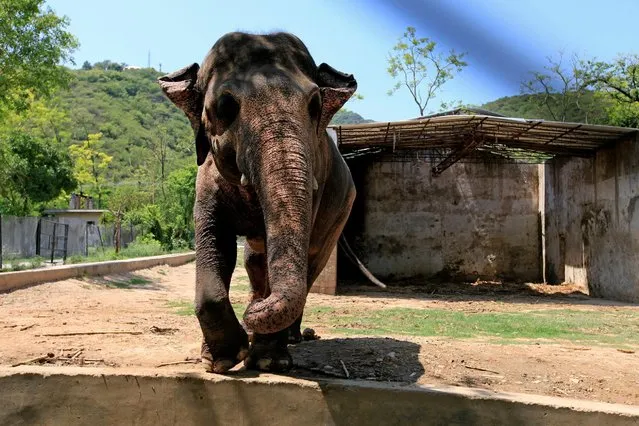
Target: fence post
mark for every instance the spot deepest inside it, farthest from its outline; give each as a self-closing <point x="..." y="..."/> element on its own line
<point x="66" y="242"/>
<point x="0" y="241"/>
<point x="38" y="237"/>
<point x="55" y="226"/>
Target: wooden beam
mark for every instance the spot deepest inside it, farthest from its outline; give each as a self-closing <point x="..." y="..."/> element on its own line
<point x="473" y="142"/>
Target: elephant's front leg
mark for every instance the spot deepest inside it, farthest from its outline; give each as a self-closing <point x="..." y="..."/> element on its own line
<point x="225" y="343"/>
<point x="268" y="351"/>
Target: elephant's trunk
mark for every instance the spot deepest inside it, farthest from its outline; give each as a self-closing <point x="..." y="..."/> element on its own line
<point x="283" y="181"/>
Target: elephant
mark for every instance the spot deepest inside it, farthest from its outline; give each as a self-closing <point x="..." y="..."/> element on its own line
<point x="259" y="107"/>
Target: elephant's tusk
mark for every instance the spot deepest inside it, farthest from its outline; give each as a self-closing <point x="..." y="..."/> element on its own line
<point x="315" y="185"/>
<point x="244" y="180"/>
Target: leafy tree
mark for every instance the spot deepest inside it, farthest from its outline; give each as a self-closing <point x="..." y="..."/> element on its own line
<point x="33" y="171"/>
<point x="620" y="80"/>
<point x="417" y="66"/>
<point x="123" y="200"/>
<point x="564" y="86"/>
<point x="91" y="163"/>
<point x="33" y="42"/>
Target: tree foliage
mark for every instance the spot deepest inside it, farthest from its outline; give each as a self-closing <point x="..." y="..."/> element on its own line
<point x="418" y="67"/>
<point x="33" y="42"/>
<point x="33" y="171"/>
<point x="620" y="80"/>
<point x="91" y="163"/>
<point x="563" y="86"/>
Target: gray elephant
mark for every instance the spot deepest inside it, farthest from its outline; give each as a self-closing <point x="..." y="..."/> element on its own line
<point x="259" y="107"/>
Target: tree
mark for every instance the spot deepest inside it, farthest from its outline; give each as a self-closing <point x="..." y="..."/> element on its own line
<point x="417" y="66"/>
<point x="91" y="163"/>
<point x="123" y="200"/>
<point x="33" y="42"/>
<point x="87" y="65"/>
<point x="33" y="171"/>
<point x="563" y="87"/>
<point x="620" y="80"/>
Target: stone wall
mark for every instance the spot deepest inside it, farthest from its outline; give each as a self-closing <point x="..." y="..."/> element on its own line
<point x="591" y="222"/>
<point x="474" y="220"/>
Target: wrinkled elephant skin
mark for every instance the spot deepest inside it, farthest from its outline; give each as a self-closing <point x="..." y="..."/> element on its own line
<point x="259" y="107"/>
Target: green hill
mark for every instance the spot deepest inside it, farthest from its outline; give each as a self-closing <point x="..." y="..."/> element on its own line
<point x="140" y="126"/>
<point x="591" y="108"/>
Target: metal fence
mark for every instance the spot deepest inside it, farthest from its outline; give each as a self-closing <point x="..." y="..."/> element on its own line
<point x="52" y="238"/>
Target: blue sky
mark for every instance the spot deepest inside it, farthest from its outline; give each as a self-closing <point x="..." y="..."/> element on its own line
<point x="504" y="38"/>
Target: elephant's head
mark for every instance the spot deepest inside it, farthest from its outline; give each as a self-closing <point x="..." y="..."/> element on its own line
<point x="260" y="105"/>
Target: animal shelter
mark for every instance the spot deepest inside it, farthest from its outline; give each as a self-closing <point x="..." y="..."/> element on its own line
<point x="469" y="194"/>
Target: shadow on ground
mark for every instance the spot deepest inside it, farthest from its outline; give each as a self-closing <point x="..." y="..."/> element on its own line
<point x="506" y="292"/>
<point x="370" y="358"/>
<point x="125" y="281"/>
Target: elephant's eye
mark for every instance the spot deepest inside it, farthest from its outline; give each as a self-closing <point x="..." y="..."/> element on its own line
<point x="227" y="109"/>
<point x="315" y="106"/>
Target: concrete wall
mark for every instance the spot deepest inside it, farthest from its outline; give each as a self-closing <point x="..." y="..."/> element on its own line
<point x="475" y="220"/>
<point x="19" y="236"/>
<point x="591" y="222"/>
<point x="107" y="396"/>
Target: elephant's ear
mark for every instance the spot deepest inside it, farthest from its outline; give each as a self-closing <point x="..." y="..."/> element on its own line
<point x="336" y="88"/>
<point x="179" y="87"/>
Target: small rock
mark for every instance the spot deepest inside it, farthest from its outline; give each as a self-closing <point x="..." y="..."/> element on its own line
<point x="309" y="334"/>
<point x="379" y="360"/>
<point x="328" y="367"/>
<point x="392" y="356"/>
<point x="573" y="380"/>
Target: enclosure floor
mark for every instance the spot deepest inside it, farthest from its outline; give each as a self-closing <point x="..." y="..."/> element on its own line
<point x="150" y="310"/>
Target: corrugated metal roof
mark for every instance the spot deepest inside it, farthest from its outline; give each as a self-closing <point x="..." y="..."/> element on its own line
<point x="472" y="134"/>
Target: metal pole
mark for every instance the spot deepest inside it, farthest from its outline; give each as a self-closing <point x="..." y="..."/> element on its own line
<point x="55" y="225"/>
<point x="66" y="242"/>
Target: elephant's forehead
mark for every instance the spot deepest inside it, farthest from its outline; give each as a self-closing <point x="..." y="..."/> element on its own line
<point x="270" y="79"/>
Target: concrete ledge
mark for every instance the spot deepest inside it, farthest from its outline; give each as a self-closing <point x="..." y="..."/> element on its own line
<point x="80" y="396"/>
<point x="14" y="280"/>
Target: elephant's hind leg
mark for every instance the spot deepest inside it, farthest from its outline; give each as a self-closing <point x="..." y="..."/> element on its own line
<point x="268" y="351"/>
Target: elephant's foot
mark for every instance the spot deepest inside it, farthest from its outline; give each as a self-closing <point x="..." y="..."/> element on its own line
<point x="269" y="353"/>
<point x="223" y="361"/>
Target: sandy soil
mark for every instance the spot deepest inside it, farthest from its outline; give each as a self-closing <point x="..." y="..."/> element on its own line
<point x="131" y="320"/>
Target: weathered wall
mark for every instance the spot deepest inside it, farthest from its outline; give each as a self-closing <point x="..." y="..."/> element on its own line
<point x="475" y="220"/>
<point x="591" y="230"/>
<point x="19" y="236"/>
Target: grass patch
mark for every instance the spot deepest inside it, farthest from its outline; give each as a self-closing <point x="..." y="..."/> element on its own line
<point x="133" y="250"/>
<point x="573" y="325"/>
<point x="128" y="284"/>
<point x="15" y="264"/>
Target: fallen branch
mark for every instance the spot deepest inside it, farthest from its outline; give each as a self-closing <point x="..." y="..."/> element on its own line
<point x="88" y="333"/>
<point x="480" y="369"/>
<point x="29" y="361"/>
<point x="188" y="361"/>
<point x="75" y="354"/>
<point x="27" y="327"/>
<point x="348" y="376"/>
<point x="320" y="371"/>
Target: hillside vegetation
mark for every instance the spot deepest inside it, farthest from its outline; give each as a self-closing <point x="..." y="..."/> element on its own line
<point x="591" y="108"/>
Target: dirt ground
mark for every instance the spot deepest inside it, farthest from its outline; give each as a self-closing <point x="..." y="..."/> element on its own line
<point x="142" y="319"/>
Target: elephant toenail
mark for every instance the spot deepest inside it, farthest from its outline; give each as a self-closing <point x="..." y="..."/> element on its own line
<point x="223" y="366"/>
<point x="208" y="364"/>
<point x="264" y="363"/>
<point x="242" y="354"/>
